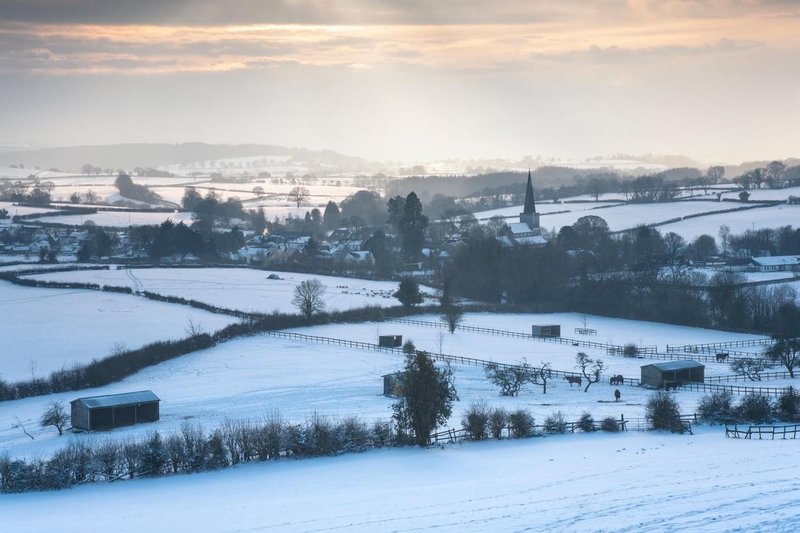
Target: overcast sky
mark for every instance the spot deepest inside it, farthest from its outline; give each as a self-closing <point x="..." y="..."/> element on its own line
<point x="717" y="80"/>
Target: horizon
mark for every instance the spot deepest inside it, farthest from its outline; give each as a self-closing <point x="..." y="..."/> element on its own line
<point x="712" y="80"/>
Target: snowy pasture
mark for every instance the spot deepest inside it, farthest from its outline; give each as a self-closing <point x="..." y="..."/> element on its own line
<point x="585" y="482"/>
<point x="544" y="208"/>
<point x="738" y="221"/>
<point x="119" y="219"/>
<point x="44" y="330"/>
<point x="766" y="194"/>
<point x="240" y="288"/>
<point x="254" y="377"/>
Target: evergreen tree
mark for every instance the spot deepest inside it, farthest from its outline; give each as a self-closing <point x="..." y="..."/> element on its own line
<point x="412" y="227"/>
<point x="408" y="293"/>
<point x="331" y="217"/>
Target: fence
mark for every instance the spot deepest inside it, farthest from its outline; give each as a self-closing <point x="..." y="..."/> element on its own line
<point x="610" y="348"/>
<point x="739" y="377"/>
<point x="784" y="432"/>
<point x="713" y="347"/>
<point x="734" y="389"/>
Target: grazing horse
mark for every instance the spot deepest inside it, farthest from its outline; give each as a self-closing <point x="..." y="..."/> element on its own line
<point x="722" y="357"/>
<point x="573" y="379"/>
<point x="672" y="385"/>
<point x="617" y="380"/>
<point x="617" y="395"/>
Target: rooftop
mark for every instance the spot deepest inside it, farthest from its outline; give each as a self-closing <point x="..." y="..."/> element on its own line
<point x="117" y="400"/>
<point x="676" y="365"/>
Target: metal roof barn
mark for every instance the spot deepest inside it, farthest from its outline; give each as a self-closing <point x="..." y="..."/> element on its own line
<point x="659" y="374"/>
<point x="114" y="410"/>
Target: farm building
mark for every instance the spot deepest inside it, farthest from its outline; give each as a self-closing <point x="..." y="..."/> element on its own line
<point x="659" y="374"/>
<point x="393" y="384"/>
<point x="546" y="331"/>
<point x="114" y="410"/>
<point x="777" y="263"/>
<point x="390" y="341"/>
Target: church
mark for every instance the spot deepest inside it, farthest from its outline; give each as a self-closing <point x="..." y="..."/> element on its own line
<point x="527" y="232"/>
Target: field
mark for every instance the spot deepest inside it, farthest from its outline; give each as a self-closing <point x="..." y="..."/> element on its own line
<point x="239" y="288"/>
<point x="119" y="219"/>
<point x="738" y="222"/>
<point x="47" y="329"/>
<point x="597" y="482"/>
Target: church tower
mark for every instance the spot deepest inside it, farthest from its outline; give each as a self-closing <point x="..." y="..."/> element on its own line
<point x="529" y="215"/>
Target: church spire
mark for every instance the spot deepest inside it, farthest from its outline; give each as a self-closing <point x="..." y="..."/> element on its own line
<point x="530" y="203"/>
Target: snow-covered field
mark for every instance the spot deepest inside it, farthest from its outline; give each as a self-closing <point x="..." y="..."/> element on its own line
<point x="44" y="330"/>
<point x="585" y="482"/>
<point x="120" y="219"/>
<point x="738" y="221"/>
<point x="544" y="208"/>
<point x="767" y="194"/>
<point x="240" y="288"/>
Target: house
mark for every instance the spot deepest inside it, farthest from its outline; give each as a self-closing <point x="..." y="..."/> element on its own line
<point x="114" y="410"/>
<point x="776" y="263"/>
<point x="661" y="374"/>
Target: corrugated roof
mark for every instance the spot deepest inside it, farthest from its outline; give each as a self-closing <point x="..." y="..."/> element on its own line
<point x="777" y="260"/>
<point x="676" y="365"/>
<point x="116" y="400"/>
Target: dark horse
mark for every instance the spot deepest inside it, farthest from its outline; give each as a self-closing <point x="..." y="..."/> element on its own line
<point x="573" y="379"/>
<point x="617" y="395"/>
<point x="722" y="357"/>
<point x="617" y="380"/>
<point x="672" y="385"/>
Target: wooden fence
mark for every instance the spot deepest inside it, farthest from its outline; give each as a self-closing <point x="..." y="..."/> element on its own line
<point x="610" y="348"/>
<point x="458" y="435"/>
<point x="733" y="389"/>
<point x="714" y="347"/>
<point x="762" y="432"/>
<point x="739" y="377"/>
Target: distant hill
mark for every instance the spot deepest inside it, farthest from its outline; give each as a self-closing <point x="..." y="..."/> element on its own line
<point x="129" y="156"/>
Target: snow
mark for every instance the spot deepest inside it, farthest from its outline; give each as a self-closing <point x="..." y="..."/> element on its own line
<point x="54" y="328"/>
<point x="766" y="194"/>
<point x="543" y="208"/>
<point x="119" y="219"/>
<point x="240" y="288"/>
<point x="737" y="221"/>
<point x="584" y="482"/>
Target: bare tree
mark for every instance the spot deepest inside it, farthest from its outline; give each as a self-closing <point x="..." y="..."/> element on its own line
<point x="55" y="415"/>
<point x="308" y="297"/>
<point x="590" y="368"/>
<point x="510" y="379"/>
<point x="786" y="352"/>
<point x="751" y="367"/>
<point x="540" y="376"/>
<point x="298" y="195"/>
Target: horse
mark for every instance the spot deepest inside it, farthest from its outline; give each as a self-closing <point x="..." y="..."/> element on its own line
<point x="573" y="379"/>
<point x="722" y="357"/>
<point x="617" y="395"/>
<point x="617" y="380"/>
<point x="672" y="385"/>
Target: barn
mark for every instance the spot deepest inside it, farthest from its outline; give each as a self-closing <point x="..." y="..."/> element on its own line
<point x="114" y="410"/>
<point x="390" y="341"/>
<point x="393" y="384"/>
<point x="659" y="374"/>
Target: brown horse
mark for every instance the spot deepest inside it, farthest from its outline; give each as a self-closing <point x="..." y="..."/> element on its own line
<point x="573" y="379"/>
<point x="617" y="395"/>
<point x="616" y="380"/>
<point x="722" y="357"/>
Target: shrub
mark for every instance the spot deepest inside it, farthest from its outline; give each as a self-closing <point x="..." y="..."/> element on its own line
<point x="717" y="408"/>
<point x="662" y="412"/>
<point x="630" y="350"/>
<point x="609" y="424"/>
<point x="754" y="408"/>
<point x="787" y="408"/>
<point x="555" y="423"/>
<point x="476" y="421"/>
<point x="586" y="422"/>
<point x="521" y="423"/>
<point x="498" y="419"/>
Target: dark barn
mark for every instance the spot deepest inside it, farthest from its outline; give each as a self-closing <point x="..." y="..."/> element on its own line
<point x="390" y="341"/>
<point x="551" y="330"/>
<point x="114" y="410"/>
<point x="660" y="374"/>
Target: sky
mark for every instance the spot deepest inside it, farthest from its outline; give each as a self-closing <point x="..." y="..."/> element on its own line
<point x="413" y="80"/>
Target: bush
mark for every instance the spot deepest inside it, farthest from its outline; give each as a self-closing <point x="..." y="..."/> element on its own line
<point x="754" y="408"/>
<point x="476" y="421"/>
<point x="498" y="419"/>
<point x="555" y="423"/>
<point x="609" y="424"/>
<point x="662" y="412"/>
<point x="717" y="408"/>
<point x="630" y="350"/>
<point x="586" y="422"/>
<point x="787" y="408"/>
<point x="521" y="423"/>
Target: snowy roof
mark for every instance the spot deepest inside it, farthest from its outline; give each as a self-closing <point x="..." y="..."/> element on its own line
<point x="777" y="260"/>
<point x="676" y="365"/>
<point x="533" y="239"/>
<point x="519" y="227"/>
<point x="117" y="400"/>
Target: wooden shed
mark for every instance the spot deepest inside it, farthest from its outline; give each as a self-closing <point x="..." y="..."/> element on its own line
<point x="390" y="341"/>
<point x="550" y="330"/>
<point x="393" y="384"/>
<point x="114" y="410"/>
<point x="660" y="374"/>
